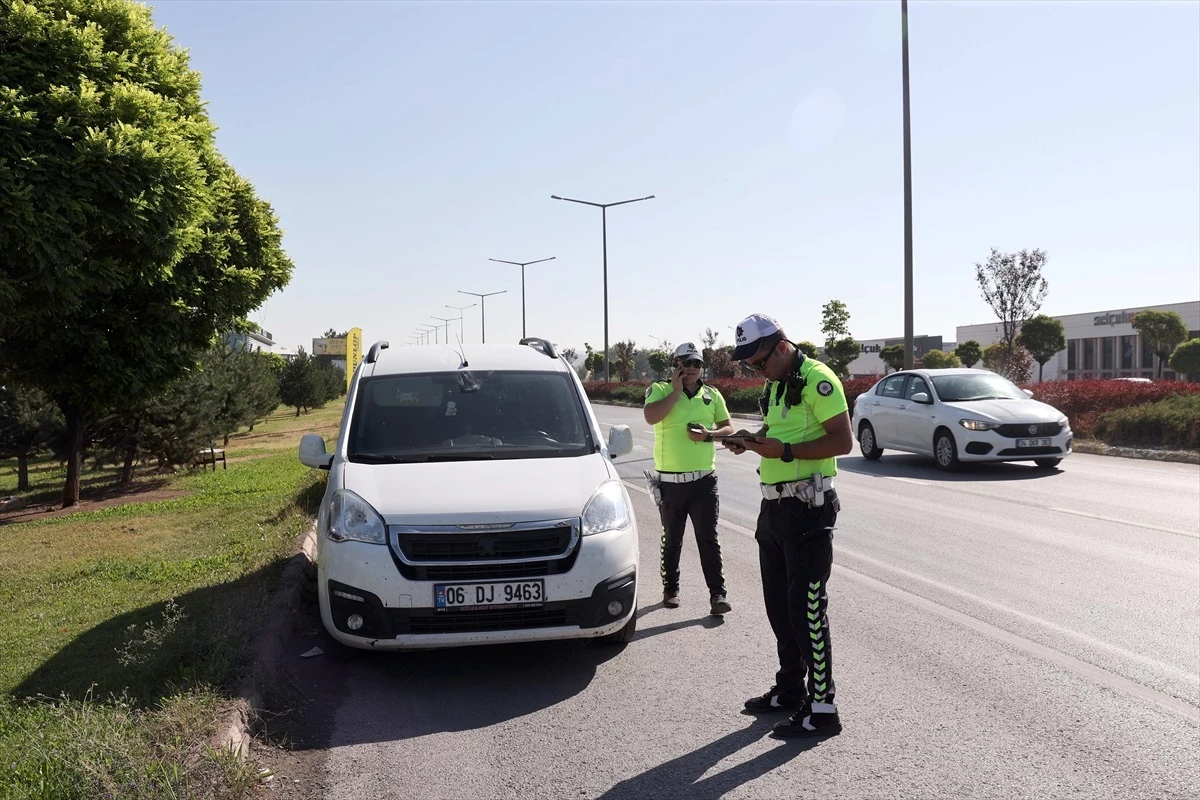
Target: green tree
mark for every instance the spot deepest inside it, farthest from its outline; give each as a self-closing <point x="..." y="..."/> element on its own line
<point x="808" y="348"/>
<point x="299" y="383"/>
<point x="721" y="363"/>
<point x="893" y="356"/>
<point x="1042" y="337"/>
<point x="840" y="347"/>
<point x="333" y="334"/>
<point x="593" y="363"/>
<point x="623" y="359"/>
<point x="937" y="359"/>
<point x="1185" y="359"/>
<point x="128" y="241"/>
<point x="1016" y="365"/>
<point x="1163" y="331"/>
<point x="1013" y="287"/>
<point x="30" y="423"/>
<point x="969" y="353"/>
<point x="659" y="361"/>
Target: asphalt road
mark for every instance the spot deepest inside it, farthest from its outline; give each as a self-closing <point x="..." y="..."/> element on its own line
<point x="1005" y="632"/>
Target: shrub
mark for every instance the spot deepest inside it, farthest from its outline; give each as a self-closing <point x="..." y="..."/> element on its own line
<point x="1085" y="401"/>
<point x="1173" y="422"/>
<point x="741" y="394"/>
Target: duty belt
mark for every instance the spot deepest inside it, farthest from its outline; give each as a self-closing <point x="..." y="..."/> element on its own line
<point x="810" y="491"/>
<point x="683" y="477"/>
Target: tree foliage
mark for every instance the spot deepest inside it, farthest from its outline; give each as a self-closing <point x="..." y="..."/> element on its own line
<point x="936" y="359"/>
<point x="892" y="356"/>
<point x="659" y="360"/>
<point x="1042" y="337"/>
<point x="307" y="383"/>
<point x="30" y="423"/>
<point x="1016" y="365"/>
<point x="593" y="362"/>
<point x="808" y="348"/>
<point x="969" y="353"/>
<point x="128" y="241"/>
<point x="1013" y="287"/>
<point x="624" y="358"/>
<point x="840" y="347"/>
<point x="1185" y="359"/>
<point x="1163" y="331"/>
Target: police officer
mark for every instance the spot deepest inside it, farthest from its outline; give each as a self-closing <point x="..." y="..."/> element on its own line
<point x="686" y="413"/>
<point x="806" y="426"/>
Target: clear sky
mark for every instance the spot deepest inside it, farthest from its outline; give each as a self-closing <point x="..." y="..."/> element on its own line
<point x="403" y="144"/>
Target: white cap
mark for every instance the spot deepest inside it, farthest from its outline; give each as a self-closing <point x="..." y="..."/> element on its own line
<point x="750" y="331"/>
<point x="688" y="350"/>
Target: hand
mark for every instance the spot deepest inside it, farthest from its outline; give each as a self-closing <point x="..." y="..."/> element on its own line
<point x="764" y="447"/>
<point x="734" y="446"/>
<point x="697" y="433"/>
<point x="677" y="379"/>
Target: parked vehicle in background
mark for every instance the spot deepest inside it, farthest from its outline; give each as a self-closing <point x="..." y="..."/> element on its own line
<point x="959" y="415"/>
<point x="472" y="500"/>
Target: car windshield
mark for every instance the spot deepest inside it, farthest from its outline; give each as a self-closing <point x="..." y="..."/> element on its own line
<point x="964" y="388"/>
<point x="467" y="416"/>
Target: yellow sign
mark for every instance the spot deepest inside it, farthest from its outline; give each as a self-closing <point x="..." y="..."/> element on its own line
<point x="329" y="347"/>
<point x="353" y="346"/>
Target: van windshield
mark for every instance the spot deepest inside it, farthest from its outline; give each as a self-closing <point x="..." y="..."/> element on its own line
<point x="468" y="416"/>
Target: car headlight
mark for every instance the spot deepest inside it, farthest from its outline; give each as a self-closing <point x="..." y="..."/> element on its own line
<point x="352" y="518"/>
<point x="978" y="424"/>
<point x="1065" y="423"/>
<point x="607" y="510"/>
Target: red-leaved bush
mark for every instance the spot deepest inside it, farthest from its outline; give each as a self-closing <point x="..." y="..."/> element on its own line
<point x="1084" y="401"/>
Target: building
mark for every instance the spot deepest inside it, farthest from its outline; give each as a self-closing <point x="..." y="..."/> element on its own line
<point x="257" y="341"/>
<point x="869" y="364"/>
<point x="1100" y="344"/>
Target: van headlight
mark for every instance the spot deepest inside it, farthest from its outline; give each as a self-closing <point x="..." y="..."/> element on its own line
<point x="353" y="519"/>
<point x="978" y="424"/>
<point x="607" y="510"/>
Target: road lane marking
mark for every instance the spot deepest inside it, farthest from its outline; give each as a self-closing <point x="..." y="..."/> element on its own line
<point x="1060" y="659"/>
<point x="1192" y="534"/>
<point x="907" y="480"/>
<point x="1069" y="663"/>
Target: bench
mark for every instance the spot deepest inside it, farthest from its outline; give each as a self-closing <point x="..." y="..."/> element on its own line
<point x="211" y="455"/>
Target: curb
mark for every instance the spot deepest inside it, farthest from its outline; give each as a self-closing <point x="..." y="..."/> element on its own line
<point x="1086" y="446"/>
<point x="269" y="648"/>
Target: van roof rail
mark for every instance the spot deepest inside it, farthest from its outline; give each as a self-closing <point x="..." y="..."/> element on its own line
<point x="541" y="345"/>
<point x="373" y="353"/>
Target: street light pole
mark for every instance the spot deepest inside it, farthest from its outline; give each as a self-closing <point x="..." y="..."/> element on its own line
<point x="460" y="310"/>
<point x="447" y="324"/>
<point x="522" y="265"/>
<point x="483" y="311"/>
<point x="908" y="254"/>
<point x="431" y="328"/>
<point x="604" y="236"/>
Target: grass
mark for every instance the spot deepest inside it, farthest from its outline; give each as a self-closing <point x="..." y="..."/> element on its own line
<point x="126" y="626"/>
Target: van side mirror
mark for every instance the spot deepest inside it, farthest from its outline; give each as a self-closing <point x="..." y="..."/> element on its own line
<point x="312" y="452"/>
<point x="620" y="441"/>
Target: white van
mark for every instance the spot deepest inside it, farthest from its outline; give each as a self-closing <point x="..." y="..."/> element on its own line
<point x="473" y="500"/>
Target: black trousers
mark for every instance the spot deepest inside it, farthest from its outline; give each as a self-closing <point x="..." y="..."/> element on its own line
<point x="697" y="500"/>
<point x="795" y="554"/>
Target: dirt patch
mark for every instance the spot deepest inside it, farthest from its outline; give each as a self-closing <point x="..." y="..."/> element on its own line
<point x="93" y="500"/>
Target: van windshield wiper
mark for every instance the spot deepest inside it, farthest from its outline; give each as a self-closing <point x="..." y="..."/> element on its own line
<point x="417" y="458"/>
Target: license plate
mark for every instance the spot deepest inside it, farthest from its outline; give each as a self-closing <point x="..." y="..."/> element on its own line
<point x="475" y="596"/>
<point x="1033" y="442"/>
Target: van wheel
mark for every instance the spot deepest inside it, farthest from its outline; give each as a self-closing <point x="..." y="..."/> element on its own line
<point x="945" y="451"/>
<point x="866" y="442"/>
<point x="623" y="636"/>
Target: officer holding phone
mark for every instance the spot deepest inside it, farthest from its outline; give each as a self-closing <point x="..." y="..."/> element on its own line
<point x="806" y="426"/>
<point x="686" y="413"/>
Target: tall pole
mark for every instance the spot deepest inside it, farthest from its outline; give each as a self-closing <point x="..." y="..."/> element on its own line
<point x="908" y="252"/>
<point x="460" y="310"/>
<point x="604" y="239"/>
<point x="483" y="311"/>
<point x="522" y="265"/>
<point x="446" y="322"/>
<point x="434" y="329"/>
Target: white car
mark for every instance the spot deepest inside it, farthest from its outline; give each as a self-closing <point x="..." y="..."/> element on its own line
<point x="958" y="415"/>
<point x="472" y="500"/>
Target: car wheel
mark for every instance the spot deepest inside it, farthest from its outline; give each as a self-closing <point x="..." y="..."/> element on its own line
<point x="623" y="636"/>
<point x="866" y="442"/>
<point x="1047" y="463"/>
<point x="945" y="451"/>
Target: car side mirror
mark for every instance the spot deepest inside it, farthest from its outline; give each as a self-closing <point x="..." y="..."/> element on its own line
<point x="620" y="441"/>
<point x="921" y="397"/>
<point x="1028" y="392"/>
<point x="312" y="452"/>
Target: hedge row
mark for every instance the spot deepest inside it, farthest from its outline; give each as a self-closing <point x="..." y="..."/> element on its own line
<point x="1084" y="402"/>
<point x="1173" y="423"/>
<point x="741" y="394"/>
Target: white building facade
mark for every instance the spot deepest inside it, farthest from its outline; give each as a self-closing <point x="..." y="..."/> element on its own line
<point x="869" y="364"/>
<point x="1100" y="344"/>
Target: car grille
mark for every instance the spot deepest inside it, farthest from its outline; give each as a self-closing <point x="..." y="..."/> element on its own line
<point x="501" y="546"/>
<point x="1031" y="451"/>
<point x="474" y="621"/>
<point x="1022" y="430"/>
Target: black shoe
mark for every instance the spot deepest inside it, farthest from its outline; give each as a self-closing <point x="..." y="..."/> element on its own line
<point x="671" y="598"/>
<point x="813" y="720"/>
<point x="720" y="605"/>
<point x="774" y="700"/>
